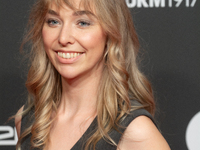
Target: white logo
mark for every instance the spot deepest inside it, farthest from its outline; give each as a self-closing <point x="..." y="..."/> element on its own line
<point x="193" y="133"/>
<point x="9" y="136"/>
<point x="160" y="3"/>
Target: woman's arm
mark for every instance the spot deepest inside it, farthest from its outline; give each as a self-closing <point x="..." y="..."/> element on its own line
<point x="142" y="134"/>
<point x="18" y="119"/>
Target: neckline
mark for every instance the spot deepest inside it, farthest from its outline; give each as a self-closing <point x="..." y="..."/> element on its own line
<point x="81" y="141"/>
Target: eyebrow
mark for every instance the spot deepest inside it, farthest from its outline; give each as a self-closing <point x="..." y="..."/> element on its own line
<point x="76" y="13"/>
<point x="52" y="12"/>
<point x="83" y="12"/>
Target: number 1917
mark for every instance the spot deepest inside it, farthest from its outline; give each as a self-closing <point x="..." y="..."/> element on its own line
<point x="188" y="3"/>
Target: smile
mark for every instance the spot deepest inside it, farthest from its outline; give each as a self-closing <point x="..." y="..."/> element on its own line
<point x="69" y="55"/>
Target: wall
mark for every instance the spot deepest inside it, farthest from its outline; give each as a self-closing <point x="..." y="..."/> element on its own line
<point x="169" y="32"/>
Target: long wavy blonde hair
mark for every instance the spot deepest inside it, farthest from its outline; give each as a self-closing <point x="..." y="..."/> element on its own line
<point x="121" y="80"/>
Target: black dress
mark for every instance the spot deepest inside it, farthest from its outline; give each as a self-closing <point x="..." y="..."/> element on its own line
<point x="101" y="145"/>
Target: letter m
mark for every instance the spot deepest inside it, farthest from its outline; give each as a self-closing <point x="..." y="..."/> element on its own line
<point x="156" y="3"/>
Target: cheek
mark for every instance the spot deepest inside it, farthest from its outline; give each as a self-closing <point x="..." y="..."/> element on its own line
<point x="47" y="37"/>
<point x="47" y="40"/>
<point x="93" y="40"/>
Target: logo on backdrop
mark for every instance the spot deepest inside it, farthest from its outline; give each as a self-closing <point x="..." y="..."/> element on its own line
<point x="193" y="133"/>
<point x="160" y="3"/>
<point x="8" y="136"/>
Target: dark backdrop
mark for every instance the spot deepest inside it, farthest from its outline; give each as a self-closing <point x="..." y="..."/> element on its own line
<point x="169" y="33"/>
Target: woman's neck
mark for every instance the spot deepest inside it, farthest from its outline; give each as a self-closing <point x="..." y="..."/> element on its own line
<point x="79" y="95"/>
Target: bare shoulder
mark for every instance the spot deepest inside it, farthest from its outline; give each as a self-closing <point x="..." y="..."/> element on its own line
<point x="18" y="119"/>
<point x="142" y="134"/>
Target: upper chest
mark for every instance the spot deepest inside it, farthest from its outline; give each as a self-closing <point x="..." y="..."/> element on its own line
<point x="65" y="134"/>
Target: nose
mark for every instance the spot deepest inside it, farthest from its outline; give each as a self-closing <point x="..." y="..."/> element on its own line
<point x="66" y="36"/>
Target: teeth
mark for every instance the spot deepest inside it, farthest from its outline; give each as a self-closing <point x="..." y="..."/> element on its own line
<point x="60" y="54"/>
<point x="72" y="55"/>
<point x="68" y="55"/>
<point x="63" y="55"/>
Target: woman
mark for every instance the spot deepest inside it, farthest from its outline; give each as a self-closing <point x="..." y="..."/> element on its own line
<point x="85" y="89"/>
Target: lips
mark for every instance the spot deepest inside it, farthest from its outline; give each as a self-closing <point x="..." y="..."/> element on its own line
<point x="69" y="55"/>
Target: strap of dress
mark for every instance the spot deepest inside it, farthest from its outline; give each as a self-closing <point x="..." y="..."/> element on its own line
<point x="115" y="135"/>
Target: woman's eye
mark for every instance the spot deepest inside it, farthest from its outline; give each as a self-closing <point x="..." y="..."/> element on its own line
<point x="52" y="22"/>
<point x="83" y="23"/>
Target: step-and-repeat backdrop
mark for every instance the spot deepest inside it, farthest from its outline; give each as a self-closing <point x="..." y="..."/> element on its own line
<point x="169" y="33"/>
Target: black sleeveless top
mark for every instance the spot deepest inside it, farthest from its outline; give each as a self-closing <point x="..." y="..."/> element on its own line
<point x="101" y="144"/>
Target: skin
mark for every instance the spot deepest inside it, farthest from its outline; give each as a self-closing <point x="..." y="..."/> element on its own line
<point x="67" y="31"/>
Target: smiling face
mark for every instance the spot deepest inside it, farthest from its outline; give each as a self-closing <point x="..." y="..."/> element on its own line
<point x="74" y="41"/>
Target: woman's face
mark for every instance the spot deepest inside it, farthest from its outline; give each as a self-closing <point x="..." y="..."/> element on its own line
<point x="74" y="41"/>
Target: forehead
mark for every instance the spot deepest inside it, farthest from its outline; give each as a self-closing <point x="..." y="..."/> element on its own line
<point x="75" y="8"/>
